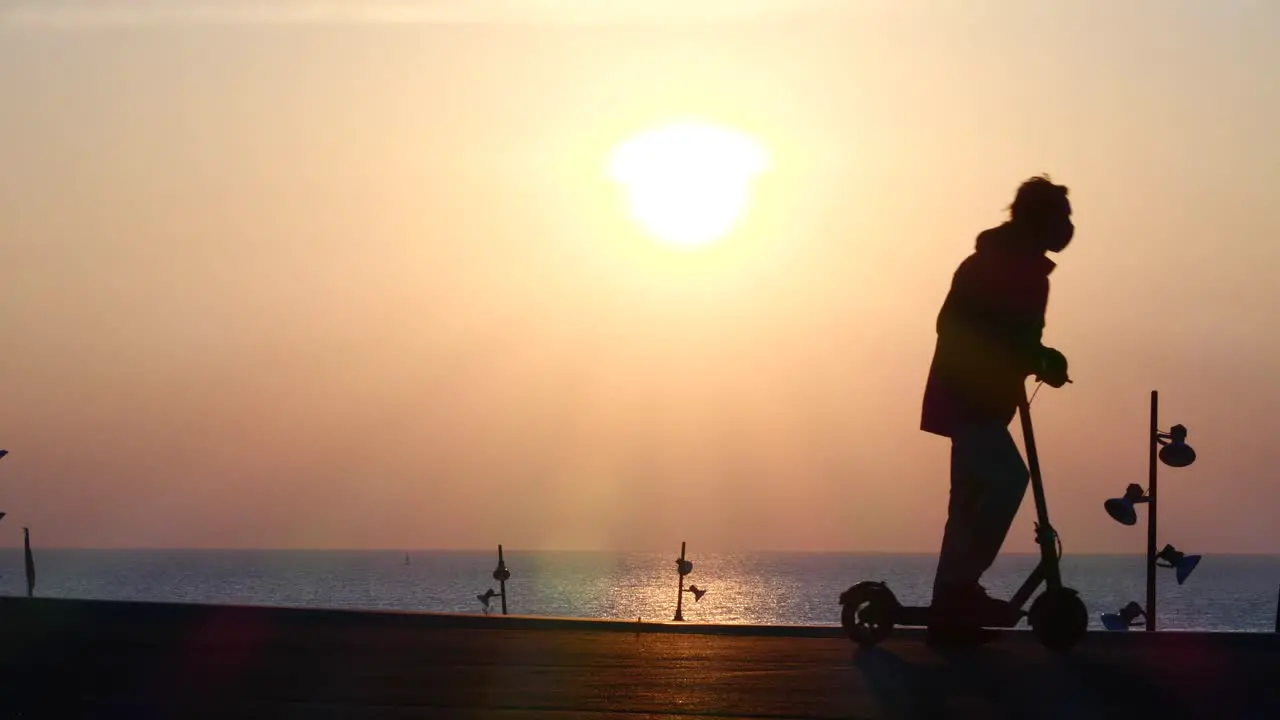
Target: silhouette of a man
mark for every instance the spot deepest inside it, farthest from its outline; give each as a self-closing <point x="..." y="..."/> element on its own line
<point x="989" y="341"/>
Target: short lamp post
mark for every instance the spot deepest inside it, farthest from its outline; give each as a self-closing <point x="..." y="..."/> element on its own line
<point x="683" y="568"/>
<point x="502" y="575"/>
<point x="1170" y="448"/>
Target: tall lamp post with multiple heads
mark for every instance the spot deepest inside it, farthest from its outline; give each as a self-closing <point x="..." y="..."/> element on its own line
<point x="1170" y="448"/>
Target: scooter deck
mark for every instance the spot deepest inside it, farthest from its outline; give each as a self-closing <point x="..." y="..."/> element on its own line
<point x="919" y="615"/>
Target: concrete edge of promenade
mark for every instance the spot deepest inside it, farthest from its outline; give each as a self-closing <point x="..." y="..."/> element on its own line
<point x="48" y="616"/>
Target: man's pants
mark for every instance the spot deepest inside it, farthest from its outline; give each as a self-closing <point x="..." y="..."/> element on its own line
<point x="988" y="481"/>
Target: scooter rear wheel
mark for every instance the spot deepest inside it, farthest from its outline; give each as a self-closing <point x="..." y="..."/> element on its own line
<point x="868" y="612"/>
<point x="1059" y="619"/>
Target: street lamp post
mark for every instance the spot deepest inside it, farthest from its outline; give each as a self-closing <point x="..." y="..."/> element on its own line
<point x="1153" y="474"/>
<point x="1170" y="448"/>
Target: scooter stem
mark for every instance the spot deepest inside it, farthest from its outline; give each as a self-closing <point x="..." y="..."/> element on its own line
<point x="1046" y="537"/>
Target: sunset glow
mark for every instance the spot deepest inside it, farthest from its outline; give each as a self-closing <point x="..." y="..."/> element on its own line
<point x="687" y="183"/>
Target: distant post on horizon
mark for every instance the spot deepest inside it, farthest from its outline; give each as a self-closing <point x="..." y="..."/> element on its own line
<point x="1170" y="448"/>
<point x="502" y="575"/>
<point x="2" y="454"/>
<point x="29" y="561"/>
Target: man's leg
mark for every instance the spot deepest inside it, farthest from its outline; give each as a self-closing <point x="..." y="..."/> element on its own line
<point x="957" y="538"/>
<point x="1002" y="477"/>
<point x="988" y="481"/>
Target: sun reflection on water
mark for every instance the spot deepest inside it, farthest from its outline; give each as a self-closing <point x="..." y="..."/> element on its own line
<point x="1231" y="593"/>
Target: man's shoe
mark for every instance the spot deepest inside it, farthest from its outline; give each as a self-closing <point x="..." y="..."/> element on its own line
<point x="964" y="606"/>
<point x="991" y="611"/>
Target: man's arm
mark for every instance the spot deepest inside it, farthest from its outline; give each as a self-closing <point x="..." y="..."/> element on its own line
<point x="1006" y="310"/>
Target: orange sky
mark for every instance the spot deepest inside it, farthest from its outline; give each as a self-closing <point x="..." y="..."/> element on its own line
<point x="354" y="278"/>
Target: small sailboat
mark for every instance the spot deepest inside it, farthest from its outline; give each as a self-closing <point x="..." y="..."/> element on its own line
<point x="406" y="558"/>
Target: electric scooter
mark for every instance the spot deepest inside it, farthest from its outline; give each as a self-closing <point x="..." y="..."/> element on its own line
<point x="1058" y="617"/>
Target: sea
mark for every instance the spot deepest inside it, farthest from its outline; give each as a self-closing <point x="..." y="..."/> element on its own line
<point x="1224" y="593"/>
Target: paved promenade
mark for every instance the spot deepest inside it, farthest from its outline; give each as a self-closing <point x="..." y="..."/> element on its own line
<point x="72" y="659"/>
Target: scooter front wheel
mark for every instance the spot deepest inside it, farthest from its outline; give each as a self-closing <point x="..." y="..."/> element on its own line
<point x="868" y="612"/>
<point x="1059" y="619"/>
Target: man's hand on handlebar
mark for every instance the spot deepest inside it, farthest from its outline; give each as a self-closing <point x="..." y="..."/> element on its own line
<point x="1053" y="368"/>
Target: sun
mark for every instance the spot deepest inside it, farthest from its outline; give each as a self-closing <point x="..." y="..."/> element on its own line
<point x="687" y="183"/>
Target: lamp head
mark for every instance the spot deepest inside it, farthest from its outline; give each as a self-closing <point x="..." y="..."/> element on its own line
<point x="1121" y="509"/>
<point x="1176" y="452"/>
<point x="488" y="595"/>
<point x="1125" y="618"/>
<point x="684" y="567"/>
<point x="1112" y="621"/>
<point x="697" y="592"/>
<point x="3" y="453"/>
<point x="501" y="574"/>
<point x="1181" y="563"/>
<point x="1182" y="570"/>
